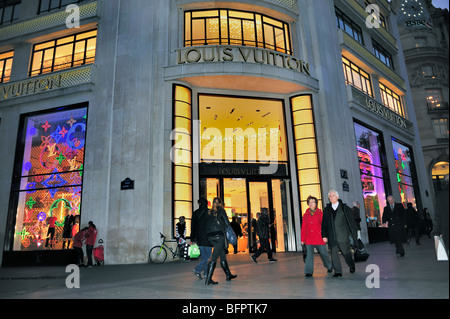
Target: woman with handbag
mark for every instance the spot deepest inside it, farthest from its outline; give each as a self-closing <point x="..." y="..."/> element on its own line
<point x="311" y="236"/>
<point x="216" y="229"/>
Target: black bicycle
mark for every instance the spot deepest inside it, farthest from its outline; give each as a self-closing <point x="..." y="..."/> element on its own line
<point x="158" y="254"/>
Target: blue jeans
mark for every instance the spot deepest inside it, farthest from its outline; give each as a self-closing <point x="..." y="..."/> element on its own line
<point x="309" y="262"/>
<point x="205" y="254"/>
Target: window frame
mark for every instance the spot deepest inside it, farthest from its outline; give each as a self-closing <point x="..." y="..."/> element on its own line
<point x="389" y="95"/>
<point x="60" y="5"/>
<point x="362" y="74"/>
<point x="54" y="46"/>
<point x="224" y="16"/>
<point x="356" y="31"/>
<point x="382" y="54"/>
<point x="15" y="8"/>
<point x="3" y="63"/>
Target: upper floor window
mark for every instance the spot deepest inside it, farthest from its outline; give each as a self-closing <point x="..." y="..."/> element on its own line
<point x="9" y="11"/>
<point x="357" y="77"/>
<point x="224" y="26"/>
<point x="391" y="100"/>
<point x="49" y="5"/>
<point x="350" y="27"/>
<point x="440" y="127"/>
<point x="428" y="70"/>
<point x="6" y="59"/>
<point x="382" y="54"/>
<point x="434" y="99"/>
<point x="64" y="53"/>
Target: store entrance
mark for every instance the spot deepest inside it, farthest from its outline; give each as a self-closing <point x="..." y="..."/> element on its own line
<point x="244" y="198"/>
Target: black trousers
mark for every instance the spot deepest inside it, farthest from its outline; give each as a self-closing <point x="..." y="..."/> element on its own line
<point x="218" y="242"/>
<point x="264" y="245"/>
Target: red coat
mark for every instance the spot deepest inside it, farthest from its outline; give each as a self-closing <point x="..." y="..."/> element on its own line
<point x="312" y="228"/>
<point x="78" y="239"/>
<point x="91" y="235"/>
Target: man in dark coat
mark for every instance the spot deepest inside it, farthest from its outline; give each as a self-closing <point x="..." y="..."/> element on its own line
<point x="414" y="222"/>
<point x="262" y="230"/>
<point x="338" y="225"/>
<point x="199" y="237"/>
<point x="237" y="230"/>
<point x="394" y="215"/>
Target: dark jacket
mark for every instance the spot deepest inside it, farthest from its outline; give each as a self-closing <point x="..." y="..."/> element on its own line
<point x="328" y="229"/>
<point x="396" y="222"/>
<point x="262" y="226"/>
<point x="199" y="226"/>
<point x="413" y="218"/>
<point x="217" y="223"/>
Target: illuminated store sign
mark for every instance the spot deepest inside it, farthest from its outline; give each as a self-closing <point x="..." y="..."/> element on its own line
<point x="241" y="54"/>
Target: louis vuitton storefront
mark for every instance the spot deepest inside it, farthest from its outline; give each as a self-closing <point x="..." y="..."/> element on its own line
<point x="259" y="102"/>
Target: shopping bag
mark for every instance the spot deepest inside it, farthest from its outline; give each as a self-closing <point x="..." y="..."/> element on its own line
<point x="194" y="251"/>
<point x="361" y="253"/>
<point x="231" y="236"/>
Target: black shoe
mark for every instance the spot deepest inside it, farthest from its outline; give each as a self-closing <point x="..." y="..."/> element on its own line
<point x="330" y="270"/>
<point x="352" y="270"/>
<point x="199" y="275"/>
<point x="337" y="275"/>
<point x="227" y="271"/>
<point x="308" y="275"/>
<point x="272" y="260"/>
<point x="210" y="269"/>
<point x="254" y="259"/>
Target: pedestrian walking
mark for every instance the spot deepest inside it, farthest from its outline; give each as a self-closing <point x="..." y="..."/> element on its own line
<point x="413" y="222"/>
<point x="91" y="236"/>
<point x="237" y="230"/>
<point x="262" y="230"/>
<point x="356" y="209"/>
<point x="311" y="236"/>
<point x="199" y="237"/>
<point x="395" y="216"/>
<point x="78" y="246"/>
<point x="180" y="235"/>
<point x="428" y="222"/>
<point x="338" y="226"/>
<point x="217" y="224"/>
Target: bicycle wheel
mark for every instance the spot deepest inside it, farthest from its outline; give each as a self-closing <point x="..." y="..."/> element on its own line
<point x="157" y="255"/>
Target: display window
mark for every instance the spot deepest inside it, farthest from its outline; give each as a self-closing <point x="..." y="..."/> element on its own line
<point x="373" y="172"/>
<point x="48" y="179"/>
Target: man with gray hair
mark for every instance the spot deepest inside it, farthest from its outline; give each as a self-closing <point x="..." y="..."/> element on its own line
<point x="338" y="225"/>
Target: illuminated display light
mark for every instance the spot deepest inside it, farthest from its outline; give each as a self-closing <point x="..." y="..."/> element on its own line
<point x="51" y="179"/>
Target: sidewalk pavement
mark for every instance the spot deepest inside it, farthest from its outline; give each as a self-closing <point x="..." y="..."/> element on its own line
<point x="418" y="275"/>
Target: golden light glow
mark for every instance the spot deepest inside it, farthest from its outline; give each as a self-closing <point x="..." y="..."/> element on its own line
<point x="241" y="129"/>
<point x="182" y="155"/>
<point x="305" y="150"/>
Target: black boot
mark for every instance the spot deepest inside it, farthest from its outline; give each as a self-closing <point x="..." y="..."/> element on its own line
<point x="208" y="277"/>
<point x="227" y="271"/>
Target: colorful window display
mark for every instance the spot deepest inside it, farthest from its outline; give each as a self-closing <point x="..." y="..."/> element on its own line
<point x="48" y="190"/>
<point x="405" y="173"/>
<point x="373" y="172"/>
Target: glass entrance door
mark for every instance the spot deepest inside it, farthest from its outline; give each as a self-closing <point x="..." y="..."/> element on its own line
<point x="244" y="199"/>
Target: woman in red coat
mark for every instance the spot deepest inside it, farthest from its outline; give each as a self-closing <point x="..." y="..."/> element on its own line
<point x="311" y="236"/>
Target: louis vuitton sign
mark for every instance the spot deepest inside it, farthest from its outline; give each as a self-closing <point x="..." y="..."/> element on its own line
<point x="241" y="54"/>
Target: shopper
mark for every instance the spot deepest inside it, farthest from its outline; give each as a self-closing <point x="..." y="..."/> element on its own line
<point x="311" y="236"/>
<point x="395" y="216"/>
<point x="199" y="236"/>
<point x="262" y="230"/>
<point x="91" y="236"/>
<point x="216" y="228"/>
<point x="338" y="225"/>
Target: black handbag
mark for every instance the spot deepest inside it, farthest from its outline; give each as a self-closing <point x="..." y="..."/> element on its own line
<point x="361" y="253"/>
<point x="305" y="253"/>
